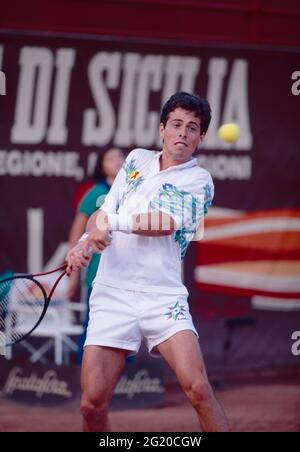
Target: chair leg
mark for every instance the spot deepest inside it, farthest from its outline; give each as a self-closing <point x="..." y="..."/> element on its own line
<point x="58" y="350"/>
<point x="8" y="352"/>
<point x="37" y="354"/>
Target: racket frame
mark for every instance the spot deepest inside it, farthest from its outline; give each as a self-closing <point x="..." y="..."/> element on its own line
<point x="47" y="298"/>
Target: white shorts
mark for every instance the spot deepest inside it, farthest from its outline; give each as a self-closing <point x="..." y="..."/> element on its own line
<point x="121" y="318"/>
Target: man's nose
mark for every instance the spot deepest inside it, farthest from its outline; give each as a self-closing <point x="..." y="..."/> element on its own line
<point x="183" y="132"/>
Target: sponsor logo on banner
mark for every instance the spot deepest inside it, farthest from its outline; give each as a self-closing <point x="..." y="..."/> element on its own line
<point x="140" y="385"/>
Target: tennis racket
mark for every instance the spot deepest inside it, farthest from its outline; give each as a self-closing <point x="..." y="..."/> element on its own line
<point x="24" y="300"/>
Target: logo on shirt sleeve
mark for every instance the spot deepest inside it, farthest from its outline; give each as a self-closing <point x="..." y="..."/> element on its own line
<point x="133" y="178"/>
<point x="187" y="210"/>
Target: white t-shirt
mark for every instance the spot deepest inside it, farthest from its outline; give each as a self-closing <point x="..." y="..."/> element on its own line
<point x="153" y="264"/>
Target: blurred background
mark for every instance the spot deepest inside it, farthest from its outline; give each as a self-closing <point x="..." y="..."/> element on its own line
<point x="82" y="77"/>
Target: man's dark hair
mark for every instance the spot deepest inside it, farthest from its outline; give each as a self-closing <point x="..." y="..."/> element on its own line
<point x="190" y="102"/>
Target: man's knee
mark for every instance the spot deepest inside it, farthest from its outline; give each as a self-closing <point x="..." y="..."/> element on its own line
<point x="92" y="407"/>
<point x="199" y="392"/>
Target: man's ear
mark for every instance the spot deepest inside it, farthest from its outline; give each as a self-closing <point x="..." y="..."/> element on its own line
<point x="161" y="130"/>
<point x="202" y="136"/>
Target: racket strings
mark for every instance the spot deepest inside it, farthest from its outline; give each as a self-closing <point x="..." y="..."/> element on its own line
<point x="21" y="305"/>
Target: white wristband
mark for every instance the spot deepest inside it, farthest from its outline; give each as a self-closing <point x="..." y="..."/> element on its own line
<point x="83" y="237"/>
<point x="120" y="222"/>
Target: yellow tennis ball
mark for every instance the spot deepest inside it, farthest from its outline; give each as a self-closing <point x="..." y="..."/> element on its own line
<point x="229" y="132"/>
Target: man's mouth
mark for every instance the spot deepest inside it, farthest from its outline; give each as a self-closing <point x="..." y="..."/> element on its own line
<point x="181" y="142"/>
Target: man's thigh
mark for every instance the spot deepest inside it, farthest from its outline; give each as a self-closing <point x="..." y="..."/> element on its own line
<point x="101" y="370"/>
<point x="183" y="354"/>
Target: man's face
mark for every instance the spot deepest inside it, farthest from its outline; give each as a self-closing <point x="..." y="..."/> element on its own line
<point x="181" y="135"/>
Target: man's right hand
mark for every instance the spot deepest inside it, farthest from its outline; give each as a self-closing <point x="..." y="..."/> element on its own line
<point x="80" y="255"/>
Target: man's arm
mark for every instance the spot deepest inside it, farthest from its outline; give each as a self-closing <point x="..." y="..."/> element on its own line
<point x="152" y="224"/>
<point x="95" y="241"/>
<point x="77" y="229"/>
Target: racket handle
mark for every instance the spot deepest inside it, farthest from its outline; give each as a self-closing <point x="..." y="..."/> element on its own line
<point x="62" y="267"/>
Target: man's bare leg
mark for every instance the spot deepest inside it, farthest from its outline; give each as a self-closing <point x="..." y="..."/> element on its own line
<point x="101" y="370"/>
<point x="182" y="352"/>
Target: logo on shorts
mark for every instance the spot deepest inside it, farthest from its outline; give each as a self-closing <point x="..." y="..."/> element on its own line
<point x="176" y="312"/>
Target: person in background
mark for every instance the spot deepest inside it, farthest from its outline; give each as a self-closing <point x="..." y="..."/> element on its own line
<point x="107" y="167"/>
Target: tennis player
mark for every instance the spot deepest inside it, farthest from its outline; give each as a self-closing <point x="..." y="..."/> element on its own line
<point x="151" y="213"/>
